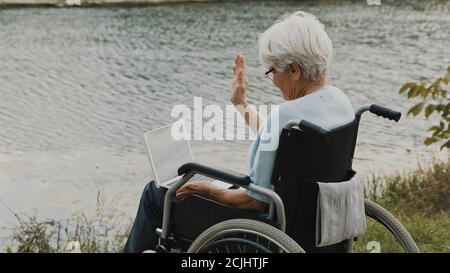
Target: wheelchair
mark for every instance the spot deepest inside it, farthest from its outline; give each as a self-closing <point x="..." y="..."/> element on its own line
<point x="200" y="225"/>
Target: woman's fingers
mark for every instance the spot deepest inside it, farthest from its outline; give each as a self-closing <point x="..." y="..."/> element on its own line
<point x="182" y="194"/>
<point x="239" y="67"/>
<point x="240" y="81"/>
<point x="240" y="63"/>
<point x="239" y="60"/>
<point x="186" y="189"/>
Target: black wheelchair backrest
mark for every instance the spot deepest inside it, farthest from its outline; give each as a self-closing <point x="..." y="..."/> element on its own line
<point x="313" y="153"/>
<point x="308" y="154"/>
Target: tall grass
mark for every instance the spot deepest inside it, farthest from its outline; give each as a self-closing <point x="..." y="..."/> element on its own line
<point x="420" y="201"/>
<point x="425" y="191"/>
<point x="105" y="231"/>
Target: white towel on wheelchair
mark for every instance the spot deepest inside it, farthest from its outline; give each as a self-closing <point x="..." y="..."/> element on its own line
<point x="340" y="212"/>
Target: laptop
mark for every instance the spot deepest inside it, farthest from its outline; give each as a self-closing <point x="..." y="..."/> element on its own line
<point x="168" y="148"/>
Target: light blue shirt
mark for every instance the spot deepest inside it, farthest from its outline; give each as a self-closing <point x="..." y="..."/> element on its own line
<point x="328" y="107"/>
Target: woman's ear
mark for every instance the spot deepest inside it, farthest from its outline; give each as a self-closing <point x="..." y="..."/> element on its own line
<point x="296" y="71"/>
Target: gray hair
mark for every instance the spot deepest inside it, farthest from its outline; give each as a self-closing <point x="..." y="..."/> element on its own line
<point x="297" y="37"/>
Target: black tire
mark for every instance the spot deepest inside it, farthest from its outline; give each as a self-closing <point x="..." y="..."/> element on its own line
<point x="382" y="216"/>
<point x="237" y="227"/>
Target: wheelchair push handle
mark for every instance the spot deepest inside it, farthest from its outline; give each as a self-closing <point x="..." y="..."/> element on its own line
<point x="385" y="112"/>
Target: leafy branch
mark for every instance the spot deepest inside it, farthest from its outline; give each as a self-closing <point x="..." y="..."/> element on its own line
<point x="435" y="99"/>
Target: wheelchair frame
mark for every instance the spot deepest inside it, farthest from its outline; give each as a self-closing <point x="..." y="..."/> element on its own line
<point x="188" y="170"/>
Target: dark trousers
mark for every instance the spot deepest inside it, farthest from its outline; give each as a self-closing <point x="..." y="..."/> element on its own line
<point x="149" y="217"/>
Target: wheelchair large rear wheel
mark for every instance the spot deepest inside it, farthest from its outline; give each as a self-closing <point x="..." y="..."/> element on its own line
<point x="399" y="238"/>
<point x="243" y="236"/>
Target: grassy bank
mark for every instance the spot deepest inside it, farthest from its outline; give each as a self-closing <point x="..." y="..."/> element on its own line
<point x="420" y="200"/>
<point x="104" y="230"/>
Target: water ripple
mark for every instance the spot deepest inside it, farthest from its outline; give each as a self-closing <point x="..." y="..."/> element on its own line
<point x="81" y="77"/>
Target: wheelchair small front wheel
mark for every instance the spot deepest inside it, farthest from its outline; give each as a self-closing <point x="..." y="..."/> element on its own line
<point x="243" y="236"/>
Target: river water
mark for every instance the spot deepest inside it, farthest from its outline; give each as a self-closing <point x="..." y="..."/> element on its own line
<point x="78" y="87"/>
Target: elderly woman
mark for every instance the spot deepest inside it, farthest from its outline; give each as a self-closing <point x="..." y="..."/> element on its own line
<point x="297" y="53"/>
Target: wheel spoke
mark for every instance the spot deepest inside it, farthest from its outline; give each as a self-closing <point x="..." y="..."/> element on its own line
<point x="257" y="241"/>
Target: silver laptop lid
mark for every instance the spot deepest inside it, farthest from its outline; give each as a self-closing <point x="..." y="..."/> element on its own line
<point x="168" y="148"/>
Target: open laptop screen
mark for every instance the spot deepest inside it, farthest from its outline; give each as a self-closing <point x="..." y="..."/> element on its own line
<point x="167" y="154"/>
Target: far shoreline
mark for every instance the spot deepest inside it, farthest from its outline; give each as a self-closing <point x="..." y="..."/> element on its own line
<point x="5" y="4"/>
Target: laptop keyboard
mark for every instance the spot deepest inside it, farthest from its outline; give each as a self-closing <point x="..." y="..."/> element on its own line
<point x="201" y="178"/>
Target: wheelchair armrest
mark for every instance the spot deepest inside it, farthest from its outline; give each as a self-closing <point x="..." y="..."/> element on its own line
<point x="220" y="174"/>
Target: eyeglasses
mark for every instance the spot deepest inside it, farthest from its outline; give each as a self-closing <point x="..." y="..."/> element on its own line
<point x="268" y="73"/>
